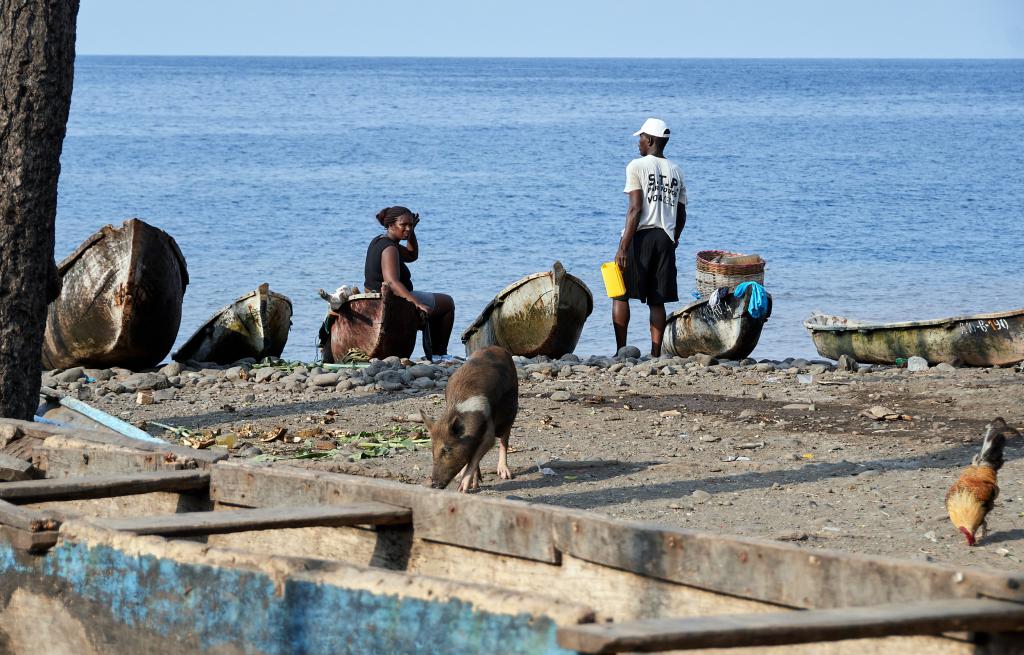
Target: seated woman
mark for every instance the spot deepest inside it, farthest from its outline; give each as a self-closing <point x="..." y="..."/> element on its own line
<point x="385" y="262"/>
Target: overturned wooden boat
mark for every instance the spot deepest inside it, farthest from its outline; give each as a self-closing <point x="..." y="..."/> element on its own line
<point x="120" y="301"/>
<point x="725" y="330"/>
<point x="123" y="546"/>
<point x="255" y="325"/>
<point x="540" y="314"/>
<point x="375" y="324"/>
<point x="975" y="340"/>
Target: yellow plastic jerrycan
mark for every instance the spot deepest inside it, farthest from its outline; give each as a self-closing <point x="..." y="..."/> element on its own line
<point x="614" y="285"/>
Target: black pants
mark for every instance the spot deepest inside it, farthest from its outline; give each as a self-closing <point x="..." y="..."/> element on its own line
<point x="650" y="273"/>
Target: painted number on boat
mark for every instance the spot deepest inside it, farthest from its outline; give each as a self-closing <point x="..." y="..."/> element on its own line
<point x="982" y="325"/>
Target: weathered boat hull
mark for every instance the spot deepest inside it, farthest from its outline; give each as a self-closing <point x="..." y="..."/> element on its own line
<point x="540" y="314"/>
<point x="726" y="331"/>
<point x="378" y="324"/>
<point x="977" y="340"/>
<point x="280" y="569"/>
<point x="120" y="302"/>
<point x="255" y="325"/>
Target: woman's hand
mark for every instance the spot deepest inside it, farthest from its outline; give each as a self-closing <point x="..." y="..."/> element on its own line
<point x="423" y="308"/>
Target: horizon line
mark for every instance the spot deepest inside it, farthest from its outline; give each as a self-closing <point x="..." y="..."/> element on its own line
<point x="568" y="57"/>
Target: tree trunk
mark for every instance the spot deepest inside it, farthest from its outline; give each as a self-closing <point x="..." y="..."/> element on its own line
<point x="37" y="56"/>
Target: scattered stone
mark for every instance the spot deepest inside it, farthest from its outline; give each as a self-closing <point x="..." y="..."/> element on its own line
<point x="803" y="407"/>
<point x="164" y="395"/>
<point x="793" y="536"/>
<point x="748" y="413"/>
<point x="561" y="396"/>
<point x="145" y="381"/>
<point x="700" y="496"/>
<point x="423" y="383"/>
<point x="945" y="367"/>
<point x="98" y="374"/>
<point x="917" y="364"/>
<point x="846" y="363"/>
<point x="263" y="374"/>
<point x="930" y="536"/>
<point x="628" y="352"/>
<point x="709" y="438"/>
<point x="174" y="368"/>
<point x="345" y="385"/>
<point x="144" y="398"/>
<point x="324" y="380"/>
<point x="670" y="413"/>
<point x="704" y="360"/>
<point x="250" y="451"/>
<point x="236" y="373"/>
<point x="423" y="371"/>
<point x="390" y="386"/>
<point x="751" y="445"/>
<point x="70" y="375"/>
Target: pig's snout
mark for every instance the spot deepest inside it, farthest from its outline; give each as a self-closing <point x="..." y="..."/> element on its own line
<point x="437" y="485"/>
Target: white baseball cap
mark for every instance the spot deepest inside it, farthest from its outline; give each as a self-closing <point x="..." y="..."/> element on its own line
<point x="654" y="127"/>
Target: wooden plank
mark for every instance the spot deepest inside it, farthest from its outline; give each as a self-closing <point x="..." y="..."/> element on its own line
<point x="27" y="540"/>
<point x="25" y="519"/>
<point x="799" y="627"/>
<point x="756" y="569"/>
<point x="770" y="571"/>
<point x="271" y="518"/>
<point x="41" y="431"/>
<point x="14" y="468"/>
<point x="497" y="526"/>
<point x="104" y="486"/>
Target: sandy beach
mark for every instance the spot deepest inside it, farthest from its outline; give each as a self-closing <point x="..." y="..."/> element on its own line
<point x="790" y="450"/>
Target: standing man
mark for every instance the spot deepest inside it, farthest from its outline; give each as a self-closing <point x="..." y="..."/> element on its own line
<point x="654" y="220"/>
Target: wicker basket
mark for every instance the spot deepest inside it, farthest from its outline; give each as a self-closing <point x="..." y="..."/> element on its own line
<point x="713" y="274"/>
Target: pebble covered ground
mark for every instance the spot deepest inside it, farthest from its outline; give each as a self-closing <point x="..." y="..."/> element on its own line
<point x="856" y="458"/>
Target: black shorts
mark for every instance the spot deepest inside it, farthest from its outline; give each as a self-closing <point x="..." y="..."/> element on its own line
<point x="650" y="273"/>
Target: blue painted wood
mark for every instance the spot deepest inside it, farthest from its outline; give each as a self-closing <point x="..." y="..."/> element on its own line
<point x="226" y="605"/>
<point x="106" y="420"/>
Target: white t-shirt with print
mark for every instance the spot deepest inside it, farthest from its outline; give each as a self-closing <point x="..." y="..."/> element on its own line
<point x="663" y="188"/>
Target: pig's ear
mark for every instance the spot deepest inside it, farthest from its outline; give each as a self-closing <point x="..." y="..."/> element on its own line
<point x="427" y="421"/>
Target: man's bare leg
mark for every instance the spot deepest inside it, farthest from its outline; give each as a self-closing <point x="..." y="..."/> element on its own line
<point x="657" y="328"/>
<point x="620" y="321"/>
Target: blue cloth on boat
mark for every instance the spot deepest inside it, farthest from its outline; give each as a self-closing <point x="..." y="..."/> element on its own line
<point x="757" y="306"/>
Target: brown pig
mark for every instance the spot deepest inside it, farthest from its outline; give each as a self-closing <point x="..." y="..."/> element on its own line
<point x="481" y="402"/>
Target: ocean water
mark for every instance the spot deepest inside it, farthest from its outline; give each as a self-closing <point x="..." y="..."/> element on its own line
<point x="875" y="189"/>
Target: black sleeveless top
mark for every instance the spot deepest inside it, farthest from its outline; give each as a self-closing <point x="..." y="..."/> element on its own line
<point x="372" y="273"/>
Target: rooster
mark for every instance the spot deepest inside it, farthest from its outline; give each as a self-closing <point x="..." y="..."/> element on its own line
<point x="972" y="496"/>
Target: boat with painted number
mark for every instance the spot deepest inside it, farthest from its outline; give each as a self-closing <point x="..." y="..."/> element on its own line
<point x="372" y="324"/>
<point x="255" y="325"/>
<point x="125" y="546"/>
<point x="540" y="314"/>
<point x="723" y="329"/>
<point x="974" y="340"/>
<point x="120" y="300"/>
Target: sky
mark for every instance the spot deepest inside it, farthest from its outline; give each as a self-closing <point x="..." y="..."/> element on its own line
<point x="549" y="28"/>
